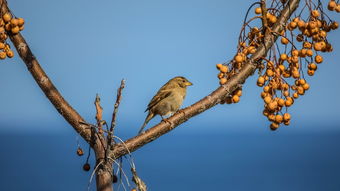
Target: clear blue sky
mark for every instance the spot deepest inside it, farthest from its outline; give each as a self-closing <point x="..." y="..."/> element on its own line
<point x="87" y="47"/>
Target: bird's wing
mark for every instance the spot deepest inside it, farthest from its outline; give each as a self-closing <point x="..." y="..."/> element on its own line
<point x="161" y="94"/>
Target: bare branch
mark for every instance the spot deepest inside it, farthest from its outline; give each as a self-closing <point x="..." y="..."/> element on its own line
<point x="118" y="99"/>
<point x="99" y="114"/>
<point x="213" y="98"/>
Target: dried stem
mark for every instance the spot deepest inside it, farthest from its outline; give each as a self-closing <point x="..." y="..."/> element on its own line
<point x="118" y="99"/>
<point x="99" y="114"/>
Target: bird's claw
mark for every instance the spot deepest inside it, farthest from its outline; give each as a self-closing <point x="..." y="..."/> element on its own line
<point x="166" y="120"/>
<point x="181" y="111"/>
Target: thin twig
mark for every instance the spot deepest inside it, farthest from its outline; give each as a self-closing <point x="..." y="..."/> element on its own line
<point x="99" y="114"/>
<point x="118" y="99"/>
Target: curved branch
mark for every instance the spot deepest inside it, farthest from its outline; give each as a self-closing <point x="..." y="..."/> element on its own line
<point x="213" y="98"/>
<point x="46" y="85"/>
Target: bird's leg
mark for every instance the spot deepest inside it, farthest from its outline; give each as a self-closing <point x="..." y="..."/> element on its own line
<point x="181" y="111"/>
<point x="166" y="120"/>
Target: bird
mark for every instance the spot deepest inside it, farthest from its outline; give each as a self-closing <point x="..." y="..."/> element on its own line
<point x="167" y="100"/>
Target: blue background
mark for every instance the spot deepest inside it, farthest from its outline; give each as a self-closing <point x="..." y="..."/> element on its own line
<point x="87" y="47"/>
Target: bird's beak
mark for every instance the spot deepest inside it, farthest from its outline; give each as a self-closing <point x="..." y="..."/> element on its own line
<point x="188" y="83"/>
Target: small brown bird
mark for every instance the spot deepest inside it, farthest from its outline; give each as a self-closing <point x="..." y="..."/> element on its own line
<point x="168" y="99"/>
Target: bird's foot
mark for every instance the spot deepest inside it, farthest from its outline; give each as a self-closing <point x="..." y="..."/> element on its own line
<point x="181" y="111"/>
<point x="166" y="120"/>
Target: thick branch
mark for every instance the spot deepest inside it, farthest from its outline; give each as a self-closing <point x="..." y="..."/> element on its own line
<point x="213" y="98"/>
<point x="46" y="85"/>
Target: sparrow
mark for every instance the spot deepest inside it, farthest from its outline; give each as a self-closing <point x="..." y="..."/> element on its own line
<point x="168" y="99"/>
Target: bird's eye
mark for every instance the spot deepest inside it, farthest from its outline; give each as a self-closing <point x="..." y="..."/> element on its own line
<point x="183" y="81"/>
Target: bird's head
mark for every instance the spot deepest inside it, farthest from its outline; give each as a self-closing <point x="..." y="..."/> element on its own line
<point x="182" y="81"/>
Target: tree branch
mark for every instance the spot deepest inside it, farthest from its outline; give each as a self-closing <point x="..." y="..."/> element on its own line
<point x="212" y="99"/>
<point x="45" y="83"/>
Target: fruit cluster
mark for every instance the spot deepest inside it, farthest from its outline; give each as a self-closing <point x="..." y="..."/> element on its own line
<point x="8" y="25"/>
<point x="281" y="73"/>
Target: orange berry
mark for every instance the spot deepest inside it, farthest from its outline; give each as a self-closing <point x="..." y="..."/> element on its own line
<point x="10" y="54"/>
<point x="80" y="152"/>
<point x="310" y="72"/>
<point x="267" y="99"/>
<point x="293" y="25"/>
<point x="15" y="30"/>
<point x="266" y="89"/>
<point x="274" y="126"/>
<point x="269" y="72"/>
<point x="295" y="52"/>
<point x="309" y="52"/>
<point x="239" y="58"/>
<point x="303" y="53"/>
<point x="307" y="44"/>
<point x="223" y="81"/>
<point x="281" y="102"/>
<point x="286" y="117"/>
<point x="220" y="75"/>
<point x="305" y="86"/>
<point x="283" y="56"/>
<point x="295" y="95"/>
<point x="261" y="80"/>
<point x="2" y="55"/>
<point x="318" y="59"/>
<point x="2" y="45"/>
<point x="300" y="90"/>
<point x="323" y="34"/>
<point x="21" y="22"/>
<point x="331" y="5"/>
<point x="337" y="9"/>
<point x="302" y="81"/>
<point x="334" y="25"/>
<point x="7" y="17"/>
<point x="272" y="105"/>
<point x="288" y="102"/>
<point x="315" y="13"/>
<point x="14" y="22"/>
<point x="312" y="66"/>
<point x="258" y="10"/>
<point x="224" y="69"/>
<point x="272" y="19"/>
<point x="238" y="92"/>
<point x="235" y="98"/>
<point x="271" y="117"/>
<point x="219" y="66"/>
<point x="265" y="112"/>
<point x="301" y="24"/>
<point x="286" y="93"/>
<point x="8" y="27"/>
<point x="317" y="46"/>
<point x="284" y="40"/>
<point x="278" y="118"/>
<point x="296" y="74"/>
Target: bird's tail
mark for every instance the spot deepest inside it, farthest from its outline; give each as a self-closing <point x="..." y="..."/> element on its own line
<point x="147" y="119"/>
